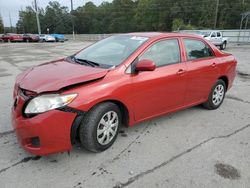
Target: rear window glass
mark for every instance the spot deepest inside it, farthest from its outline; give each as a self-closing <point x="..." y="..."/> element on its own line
<point x="196" y="49"/>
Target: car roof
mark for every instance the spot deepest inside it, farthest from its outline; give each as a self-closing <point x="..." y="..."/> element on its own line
<point x="162" y="34"/>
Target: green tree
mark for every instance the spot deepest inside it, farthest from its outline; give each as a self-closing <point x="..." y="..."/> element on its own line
<point x="56" y="18"/>
<point x="1" y="25"/>
<point x="122" y="14"/>
<point x="27" y="21"/>
<point x="147" y="15"/>
<point x="84" y="18"/>
<point x="178" y="24"/>
<point x="135" y="15"/>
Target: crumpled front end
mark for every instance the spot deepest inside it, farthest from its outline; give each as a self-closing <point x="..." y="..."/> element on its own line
<point x="42" y="134"/>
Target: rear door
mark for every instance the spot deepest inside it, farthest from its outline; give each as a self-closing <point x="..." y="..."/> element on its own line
<point x="202" y="69"/>
<point x="213" y="38"/>
<point x="219" y="38"/>
<point x="159" y="91"/>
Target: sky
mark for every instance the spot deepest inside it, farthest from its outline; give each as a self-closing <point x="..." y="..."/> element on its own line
<point x="10" y="8"/>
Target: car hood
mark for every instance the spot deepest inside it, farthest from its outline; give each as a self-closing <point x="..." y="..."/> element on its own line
<point x="56" y="75"/>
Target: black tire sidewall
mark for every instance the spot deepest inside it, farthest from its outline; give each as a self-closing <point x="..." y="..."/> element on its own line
<point x="88" y="128"/>
<point x="223" y="46"/>
<point x="210" y="99"/>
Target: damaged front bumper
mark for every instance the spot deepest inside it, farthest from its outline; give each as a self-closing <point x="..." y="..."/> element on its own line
<point x="45" y="133"/>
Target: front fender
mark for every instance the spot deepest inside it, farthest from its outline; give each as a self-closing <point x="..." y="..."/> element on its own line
<point x="116" y="88"/>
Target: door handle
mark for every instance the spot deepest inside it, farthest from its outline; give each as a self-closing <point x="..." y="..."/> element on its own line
<point x="180" y="72"/>
<point x="214" y="65"/>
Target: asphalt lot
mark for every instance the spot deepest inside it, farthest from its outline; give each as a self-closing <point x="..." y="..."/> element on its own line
<point x="191" y="148"/>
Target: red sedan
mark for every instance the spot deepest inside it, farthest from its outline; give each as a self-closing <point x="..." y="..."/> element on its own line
<point x="30" y="38"/>
<point x="12" y="37"/>
<point x="123" y="79"/>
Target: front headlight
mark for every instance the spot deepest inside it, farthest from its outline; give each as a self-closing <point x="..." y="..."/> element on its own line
<point x="48" y="102"/>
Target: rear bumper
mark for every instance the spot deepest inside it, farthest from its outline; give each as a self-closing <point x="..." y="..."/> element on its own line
<point x="50" y="40"/>
<point x="231" y="76"/>
<point x="17" y="40"/>
<point x="60" y="40"/>
<point x="45" y="133"/>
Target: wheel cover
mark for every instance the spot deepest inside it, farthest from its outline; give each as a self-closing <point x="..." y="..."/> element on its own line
<point x="107" y="127"/>
<point x="218" y="94"/>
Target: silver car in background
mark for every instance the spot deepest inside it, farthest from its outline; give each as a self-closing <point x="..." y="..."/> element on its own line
<point x="46" y="38"/>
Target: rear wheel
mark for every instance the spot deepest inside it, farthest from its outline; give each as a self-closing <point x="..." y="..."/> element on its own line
<point x="223" y="46"/>
<point x="216" y="95"/>
<point x="99" y="128"/>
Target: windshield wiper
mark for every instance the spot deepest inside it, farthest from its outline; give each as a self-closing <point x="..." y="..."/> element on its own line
<point x="85" y="61"/>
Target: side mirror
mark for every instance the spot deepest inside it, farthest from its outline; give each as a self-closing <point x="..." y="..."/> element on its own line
<point x="145" y="65"/>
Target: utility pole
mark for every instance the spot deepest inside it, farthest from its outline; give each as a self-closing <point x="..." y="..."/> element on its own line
<point x="216" y="13"/>
<point x="72" y="18"/>
<point x="37" y="19"/>
<point x="10" y="23"/>
<point x="71" y="5"/>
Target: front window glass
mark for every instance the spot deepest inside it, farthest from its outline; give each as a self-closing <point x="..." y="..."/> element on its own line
<point x="111" y="51"/>
<point x="205" y="33"/>
<point x="163" y="53"/>
<point x="196" y="49"/>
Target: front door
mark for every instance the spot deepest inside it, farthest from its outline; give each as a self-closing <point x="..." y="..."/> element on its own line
<point x="159" y="91"/>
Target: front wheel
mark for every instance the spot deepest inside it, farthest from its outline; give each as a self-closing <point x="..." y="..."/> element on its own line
<point x="216" y="95"/>
<point x="100" y="127"/>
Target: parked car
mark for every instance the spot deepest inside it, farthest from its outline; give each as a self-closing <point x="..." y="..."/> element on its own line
<point x="12" y="37"/>
<point x="30" y="37"/>
<point x="121" y="80"/>
<point x="47" y="38"/>
<point x="216" y="38"/>
<point x="58" y="37"/>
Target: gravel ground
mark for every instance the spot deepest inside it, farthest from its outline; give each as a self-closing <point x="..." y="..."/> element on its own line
<point x="191" y="148"/>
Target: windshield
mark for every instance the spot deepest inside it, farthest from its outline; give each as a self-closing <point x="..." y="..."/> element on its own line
<point x="206" y="33"/>
<point x="111" y="51"/>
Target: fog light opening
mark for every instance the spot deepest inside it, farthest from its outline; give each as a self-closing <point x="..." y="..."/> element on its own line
<point x="35" y="142"/>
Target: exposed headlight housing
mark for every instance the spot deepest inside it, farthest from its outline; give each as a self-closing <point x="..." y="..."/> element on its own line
<point x="46" y="102"/>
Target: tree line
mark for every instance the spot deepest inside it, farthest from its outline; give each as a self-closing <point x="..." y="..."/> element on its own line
<point x="134" y="15"/>
<point x="1" y="25"/>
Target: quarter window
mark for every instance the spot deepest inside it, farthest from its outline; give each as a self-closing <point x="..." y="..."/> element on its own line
<point x="196" y="49"/>
<point x="163" y="53"/>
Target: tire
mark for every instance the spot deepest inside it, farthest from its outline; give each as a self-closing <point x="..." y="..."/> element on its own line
<point x="223" y="46"/>
<point x="215" y="95"/>
<point x="92" y="123"/>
